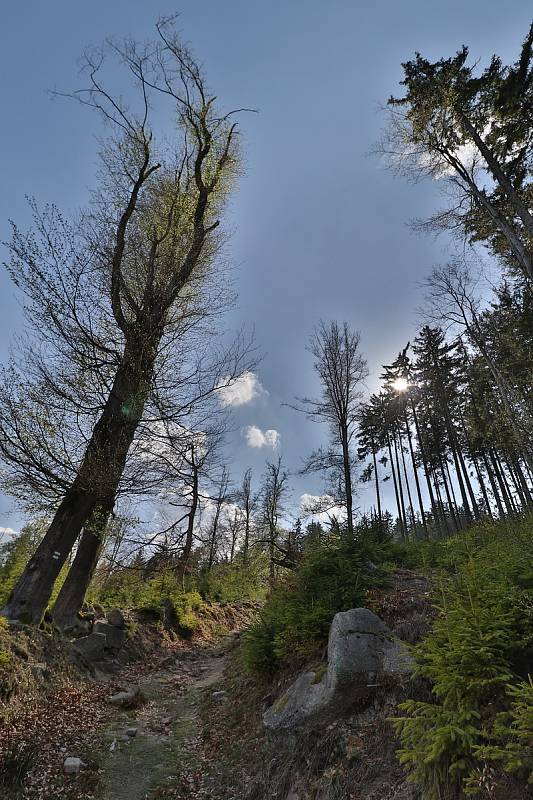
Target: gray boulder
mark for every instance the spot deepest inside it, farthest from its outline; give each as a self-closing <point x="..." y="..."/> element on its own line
<point x="92" y="646"/>
<point x="362" y="655"/>
<point x="114" y="636"/>
<point x="116" y="618"/>
<point x="72" y="765"/>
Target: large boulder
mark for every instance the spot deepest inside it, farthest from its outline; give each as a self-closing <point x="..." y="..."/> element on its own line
<point x="114" y="636"/>
<point x="362" y="655"/>
<point x="91" y="647"/>
<point x="115" y="617"/>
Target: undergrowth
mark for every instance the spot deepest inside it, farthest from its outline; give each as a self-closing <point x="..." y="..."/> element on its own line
<point x="479" y="723"/>
<point x="295" y="620"/>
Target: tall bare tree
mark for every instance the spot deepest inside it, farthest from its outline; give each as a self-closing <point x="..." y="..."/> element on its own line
<point x="342" y="370"/>
<point x="109" y="294"/>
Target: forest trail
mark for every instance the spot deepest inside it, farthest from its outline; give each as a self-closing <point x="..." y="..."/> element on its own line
<point x="157" y="746"/>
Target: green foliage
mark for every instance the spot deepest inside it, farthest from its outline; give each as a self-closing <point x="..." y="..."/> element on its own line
<point x="240" y="580"/>
<point x="15" y="554"/>
<point x="512" y="737"/>
<point x="295" y="620"/>
<point x="6" y="661"/>
<point x="472" y="656"/>
<point x="185" y="607"/>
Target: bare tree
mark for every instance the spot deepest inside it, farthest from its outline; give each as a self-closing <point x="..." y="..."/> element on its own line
<point x="248" y="500"/>
<point x="273" y="492"/>
<point x="109" y="295"/>
<point x="220" y="501"/>
<point x="341" y="369"/>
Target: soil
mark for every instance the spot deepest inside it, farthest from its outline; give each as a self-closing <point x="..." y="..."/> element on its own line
<point x="156" y="747"/>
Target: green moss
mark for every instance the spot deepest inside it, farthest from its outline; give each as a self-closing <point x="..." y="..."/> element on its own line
<point x="280" y="704"/>
<point x="319" y="673"/>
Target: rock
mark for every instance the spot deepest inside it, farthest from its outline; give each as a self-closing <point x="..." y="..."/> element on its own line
<point x="220" y="697"/>
<point x="129" y="698"/>
<point x="98" y="611"/>
<point x="131" y="732"/>
<point x="362" y="654"/>
<point x="92" y="646"/>
<point x="115" y="617"/>
<point x="20" y="651"/>
<point x="167" y="721"/>
<point x="40" y="671"/>
<point x="114" y="636"/>
<point x="72" y="765"/>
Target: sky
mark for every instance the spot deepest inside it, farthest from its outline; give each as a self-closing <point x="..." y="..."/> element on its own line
<point x="319" y="227"/>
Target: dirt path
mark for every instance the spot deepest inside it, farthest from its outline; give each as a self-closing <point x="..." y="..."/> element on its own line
<point x="156" y="746"/>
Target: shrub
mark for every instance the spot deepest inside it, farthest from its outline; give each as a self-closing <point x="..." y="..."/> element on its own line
<point x="472" y="656"/>
<point x="240" y="580"/>
<point x="297" y="615"/>
<point x="16" y="759"/>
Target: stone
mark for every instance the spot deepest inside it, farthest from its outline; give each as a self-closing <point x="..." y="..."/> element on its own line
<point x="116" y="618"/>
<point x="362" y="655"/>
<point x="40" y="671"/>
<point x="72" y="765"/>
<point x="98" y="611"/>
<point x="114" y="636"/>
<point x="92" y="646"/>
<point x="20" y="651"/>
<point x="131" y="732"/>
<point x="220" y="697"/>
<point x="130" y="698"/>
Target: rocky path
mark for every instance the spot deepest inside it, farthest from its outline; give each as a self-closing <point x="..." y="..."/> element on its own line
<point x="154" y="750"/>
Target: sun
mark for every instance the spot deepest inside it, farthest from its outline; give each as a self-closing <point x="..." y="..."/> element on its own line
<point x="400" y="384"/>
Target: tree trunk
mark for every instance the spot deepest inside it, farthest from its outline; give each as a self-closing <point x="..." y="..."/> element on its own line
<point x="347" y="469"/>
<point x="378" y="496"/>
<point x="189" y="533"/>
<point x="72" y="594"/>
<point x="400" y="517"/>
<point x="97" y="479"/>
<point x="425" y="464"/>
<point x="502" y="484"/>
<point x="494" y="487"/>
<point x="411" y="507"/>
<point x="400" y="489"/>
<point x="415" y="472"/>
<point x="451" y="505"/>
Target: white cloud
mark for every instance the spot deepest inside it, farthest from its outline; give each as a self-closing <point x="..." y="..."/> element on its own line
<point x="255" y="437"/>
<point x="241" y="390"/>
<point x="7" y="532"/>
<point x="321" y="507"/>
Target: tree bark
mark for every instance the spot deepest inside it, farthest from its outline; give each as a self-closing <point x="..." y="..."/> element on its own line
<point x="378" y="496"/>
<point x="347" y="470"/>
<point x="96" y="481"/>
<point x="72" y="594"/>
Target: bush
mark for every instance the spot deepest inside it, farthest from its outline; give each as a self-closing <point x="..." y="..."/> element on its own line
<point x="473" y="657"/>
<point x="240" y="580"/>
<point x="295" y="620"/>
<point x="16" y="759"/>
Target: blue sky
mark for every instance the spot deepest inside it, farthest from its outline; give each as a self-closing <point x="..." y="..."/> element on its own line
<point x="319" y="227"/>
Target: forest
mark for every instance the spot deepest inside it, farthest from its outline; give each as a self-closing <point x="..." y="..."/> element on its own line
<point x="171" y="619"/>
